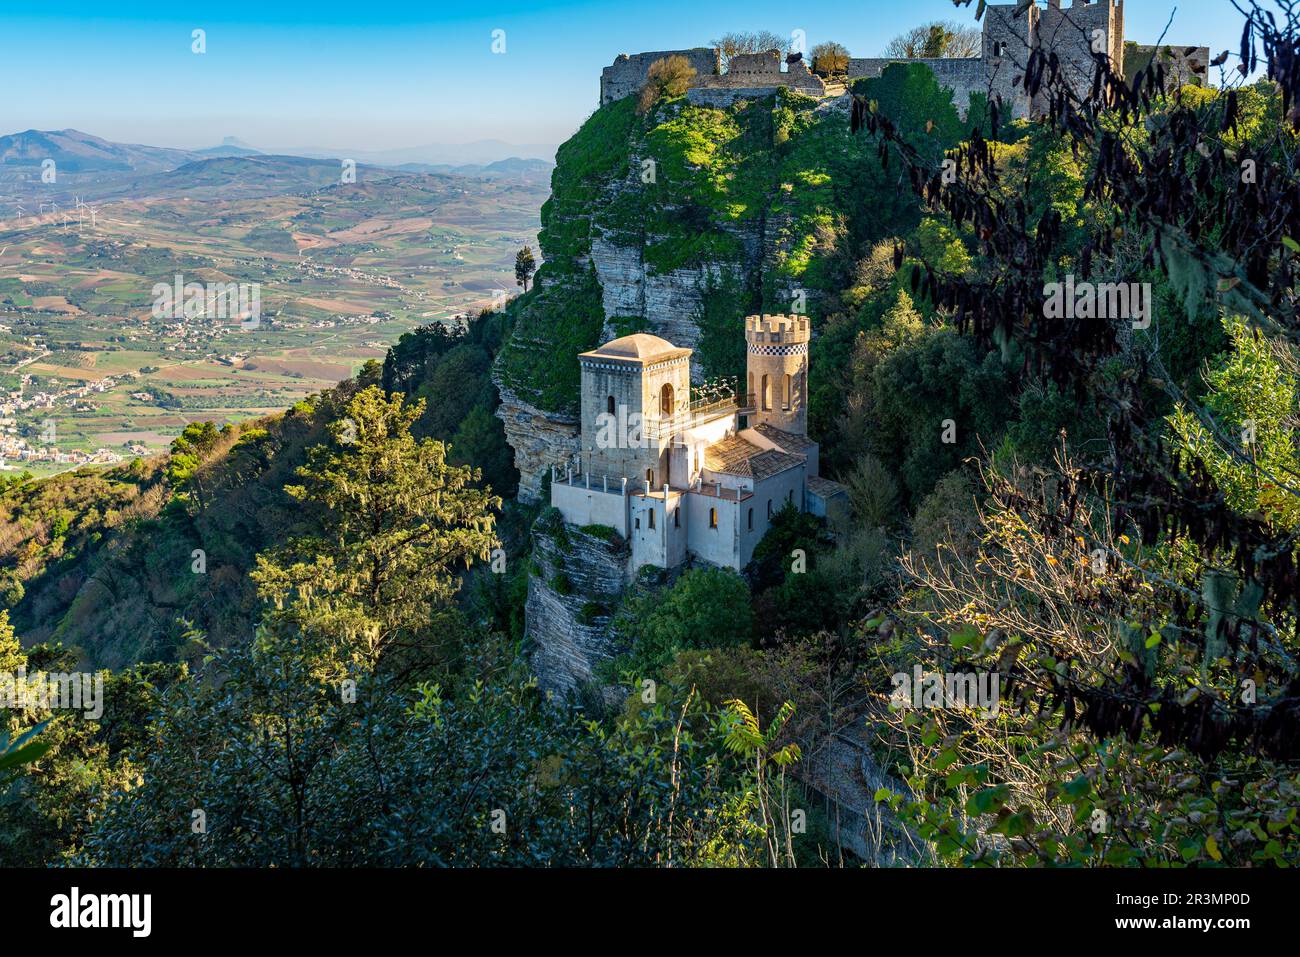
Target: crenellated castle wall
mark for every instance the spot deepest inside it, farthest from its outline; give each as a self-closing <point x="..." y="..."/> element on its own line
<point x="963" y="76"/>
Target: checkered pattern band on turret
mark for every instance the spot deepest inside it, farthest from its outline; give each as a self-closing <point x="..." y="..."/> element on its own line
<point x="778" y="349"/>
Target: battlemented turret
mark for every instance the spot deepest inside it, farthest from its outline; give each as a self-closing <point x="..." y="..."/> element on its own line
<point x="776" y="362"/>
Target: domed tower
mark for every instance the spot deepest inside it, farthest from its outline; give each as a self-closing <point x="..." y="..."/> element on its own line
<point x="776" y="363"/>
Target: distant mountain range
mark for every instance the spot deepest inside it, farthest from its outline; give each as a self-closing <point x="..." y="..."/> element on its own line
<point x="513" y="168"/>
<point x="76" y="152"/>
<point x="91" y="169"/>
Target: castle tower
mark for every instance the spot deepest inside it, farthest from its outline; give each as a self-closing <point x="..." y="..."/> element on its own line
<point x="634" y="390"/>
<point x="1074" y="32"/>
<point x="1009" y="35"/>
<point x="776" y="366"/>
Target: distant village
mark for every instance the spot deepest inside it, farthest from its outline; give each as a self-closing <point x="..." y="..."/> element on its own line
<point x="17" y="448"/>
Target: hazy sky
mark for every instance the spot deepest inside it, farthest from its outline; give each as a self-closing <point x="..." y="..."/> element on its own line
<point x="389" y="73"/>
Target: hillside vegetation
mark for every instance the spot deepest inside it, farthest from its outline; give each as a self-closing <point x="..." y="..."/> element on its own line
<point x="1087" y="520"/>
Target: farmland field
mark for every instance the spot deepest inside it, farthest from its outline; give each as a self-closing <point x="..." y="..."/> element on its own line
<point x="341" y="271"/>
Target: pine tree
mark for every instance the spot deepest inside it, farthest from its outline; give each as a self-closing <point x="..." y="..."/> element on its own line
<point x="525" y="266"/>
<point x="398" y="521"/>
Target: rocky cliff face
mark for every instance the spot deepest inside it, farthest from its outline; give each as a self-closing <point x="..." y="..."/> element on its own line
<point x="577" y="582"/>
<point x="539" y="439"/>
<point x="669" y="303"/>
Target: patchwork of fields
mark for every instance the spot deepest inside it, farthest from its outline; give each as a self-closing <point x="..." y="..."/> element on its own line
<point x="341" y="270"/>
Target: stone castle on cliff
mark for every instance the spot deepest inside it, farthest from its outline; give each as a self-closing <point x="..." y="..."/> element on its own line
<point x="698" y="478"/>
<point x="1072" y="33"/>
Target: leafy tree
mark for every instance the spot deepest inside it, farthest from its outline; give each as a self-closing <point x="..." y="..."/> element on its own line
<point x="480" y="441"/>
<point x="1252" y="452"/>
<point x="920" y="107"/>
<point x="936" y="403"/>
<point x="704" y="608"/>
<point x="667" y="76"/>
<point x="946" y="518"/>
<point x="743" y="736"/>
<point x="11" y="652"/>
<point x="188" y="451"/>
<point x="873" y="493"/>
<point x="289" y="772"/>
<point x="790" y="529"/>
<point x="1040" y="593"/>
<point x="830" y="59"/>
<point x="18" y="752"/>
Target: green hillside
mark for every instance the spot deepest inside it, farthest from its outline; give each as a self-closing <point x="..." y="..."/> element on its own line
<point x="781" y="172"/>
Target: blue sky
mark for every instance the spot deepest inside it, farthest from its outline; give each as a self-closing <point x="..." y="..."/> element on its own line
<point x="380" y="75"/>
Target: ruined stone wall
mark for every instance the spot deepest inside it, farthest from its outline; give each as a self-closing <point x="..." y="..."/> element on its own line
<point x="762" y="72"/>
<point x="962" y="75"/>
<point x="627" y="74"/>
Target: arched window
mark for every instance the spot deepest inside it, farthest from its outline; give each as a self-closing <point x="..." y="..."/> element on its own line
<point x="666" y="399"/>
<point x="751" y="518"/>
<point x="786" y="394"/>
<point x="999" y="48"/>
<point x="749" y="397"/>
<point x="609" y="405"/>
<point x="677" y="517"/>
<point x="713" y="518"/>
<point x="650" y="476"/>
<point x="767" y="396"/>
<point x="652" y="518"/>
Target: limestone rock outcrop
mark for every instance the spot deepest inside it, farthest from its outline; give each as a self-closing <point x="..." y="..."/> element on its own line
<point x="538" y="438"/>
<point x="577" y="582"/>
